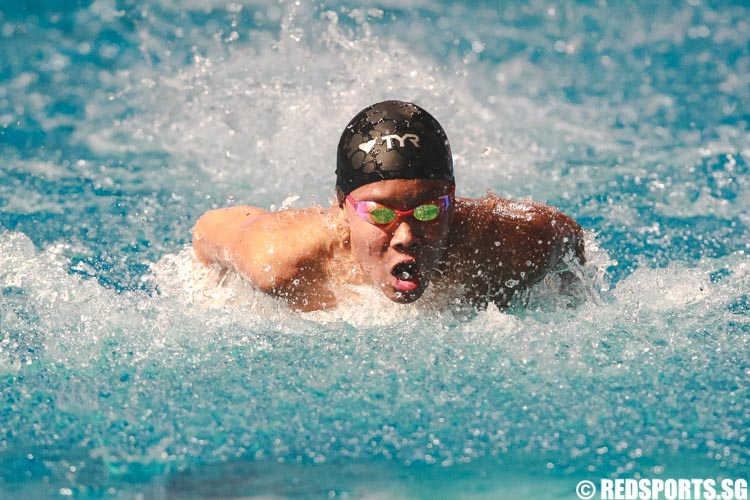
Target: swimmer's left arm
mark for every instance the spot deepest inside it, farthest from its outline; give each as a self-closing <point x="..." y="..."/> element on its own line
<point x="513" y="244"/>
<point x="548" y="242"/>
<point x="570" y="237"/>
<point x="520" y="233"/>
<point x="552" y="241"/>
<point x="572" y="254"/>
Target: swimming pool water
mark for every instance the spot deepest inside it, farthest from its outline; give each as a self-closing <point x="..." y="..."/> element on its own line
<point x="126" y="372"/>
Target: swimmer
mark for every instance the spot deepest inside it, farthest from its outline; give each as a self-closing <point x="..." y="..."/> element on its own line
<point x="397" y="226"/>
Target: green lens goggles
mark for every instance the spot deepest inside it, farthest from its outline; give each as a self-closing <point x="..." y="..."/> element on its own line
<point x="378" y="214"/>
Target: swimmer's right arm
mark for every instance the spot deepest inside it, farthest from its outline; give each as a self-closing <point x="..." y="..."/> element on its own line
<point x="215" y="232"/>
<point x="283" y="253"/>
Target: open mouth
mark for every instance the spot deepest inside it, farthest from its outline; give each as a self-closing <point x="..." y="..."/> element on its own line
<point x="406" y="276"/>
<point x="406" y="271"/>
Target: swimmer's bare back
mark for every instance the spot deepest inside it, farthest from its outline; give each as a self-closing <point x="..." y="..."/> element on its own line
<point x="495" y="248"/>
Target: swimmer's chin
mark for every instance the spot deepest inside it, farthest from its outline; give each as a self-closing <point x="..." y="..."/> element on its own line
<point x="406" y="297"/>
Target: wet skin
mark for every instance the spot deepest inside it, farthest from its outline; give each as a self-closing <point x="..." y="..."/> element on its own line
<point x="399" y="258"/>
<point x="489" y="248"/>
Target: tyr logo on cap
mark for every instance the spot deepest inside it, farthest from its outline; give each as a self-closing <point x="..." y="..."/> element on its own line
<point x="388" y="139"/>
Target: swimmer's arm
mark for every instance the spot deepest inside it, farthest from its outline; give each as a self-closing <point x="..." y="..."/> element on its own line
<point x="514" y="242"/>
<point x="569" y="237"/>
<point x="516" y="233"/>
<point x="555" y="246"/>
<point x="214" y="234"/>
<point x="551" y="241"/>
<point x="572" y="254"/>
<point x="283" y="254"/>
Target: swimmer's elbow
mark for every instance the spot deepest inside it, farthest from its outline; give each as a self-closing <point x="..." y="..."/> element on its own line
<point x="293" y="279"/>
<point x="265" y="277"/>
<point x="202" y="247"/>
<point x="572" y="240"/>
<point x="211" y="240"/>
<point x="218" y="232"/>
<point x="576" y="248"/>
<point x="266" y="272"/>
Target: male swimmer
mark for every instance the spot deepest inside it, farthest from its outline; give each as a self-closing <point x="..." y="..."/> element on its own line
<point x="398" y="226"/>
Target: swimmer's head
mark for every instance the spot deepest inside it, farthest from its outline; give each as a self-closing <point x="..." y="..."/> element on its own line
<point x="391" y="140"/>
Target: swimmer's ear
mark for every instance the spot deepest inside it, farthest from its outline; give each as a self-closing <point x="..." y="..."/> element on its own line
<point x="340" y="197"/>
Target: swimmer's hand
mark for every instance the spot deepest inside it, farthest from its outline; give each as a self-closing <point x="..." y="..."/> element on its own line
<point x="283" y="254"/>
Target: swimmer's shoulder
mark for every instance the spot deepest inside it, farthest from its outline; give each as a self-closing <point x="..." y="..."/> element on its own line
<point x="270" y="249"/>
<point x="484" y="231"/>
<point x="250" y="228"/>
<point x="294" y="222"/>
<point x="476" y="219"/>
<point x="294" y="254"/>
<point x="504" y="221"/>
<point x="493" y="239"/>
<point x="296" y="237"/>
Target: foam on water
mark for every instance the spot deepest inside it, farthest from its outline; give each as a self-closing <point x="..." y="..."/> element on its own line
<point x="127" y="369"/>
<point x="106" y="385"/>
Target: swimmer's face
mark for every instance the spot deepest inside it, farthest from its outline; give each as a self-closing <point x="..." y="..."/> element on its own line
<point x="399" y="258"/>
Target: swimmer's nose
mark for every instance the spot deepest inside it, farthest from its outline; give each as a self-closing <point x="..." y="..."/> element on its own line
<point x="405" y="236"/>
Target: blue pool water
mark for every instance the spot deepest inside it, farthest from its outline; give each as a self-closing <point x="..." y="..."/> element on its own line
<point x="125" y="372"/>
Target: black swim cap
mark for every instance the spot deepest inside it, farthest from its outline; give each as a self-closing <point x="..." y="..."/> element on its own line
<point x="392" y="140"/>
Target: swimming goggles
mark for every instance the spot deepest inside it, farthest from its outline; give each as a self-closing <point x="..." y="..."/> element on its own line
<point x="381" y="215"/>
